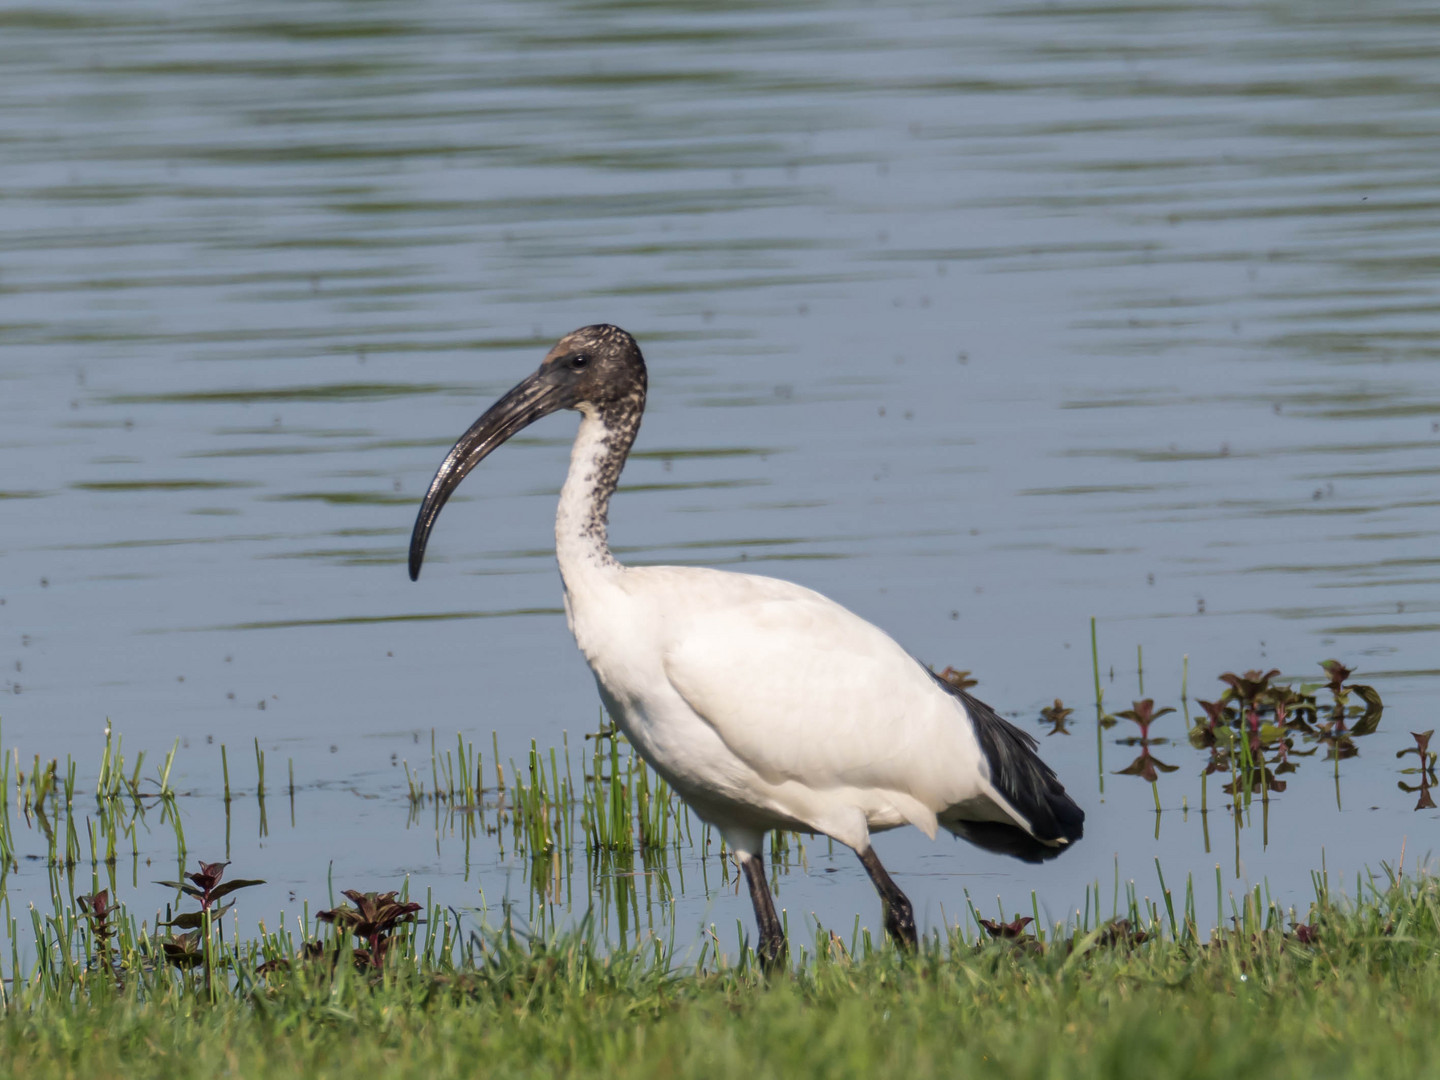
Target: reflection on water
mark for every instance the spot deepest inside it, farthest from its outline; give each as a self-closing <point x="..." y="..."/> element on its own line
<point x="982" y="322"/>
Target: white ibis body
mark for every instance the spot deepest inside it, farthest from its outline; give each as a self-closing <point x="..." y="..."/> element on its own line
<point x="763" y="704"/>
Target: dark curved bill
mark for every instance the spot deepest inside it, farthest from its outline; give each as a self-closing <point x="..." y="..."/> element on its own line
<point x="537" y="396"/>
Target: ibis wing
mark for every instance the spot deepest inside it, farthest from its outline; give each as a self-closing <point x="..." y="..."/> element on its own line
<point x="800" y="689"/>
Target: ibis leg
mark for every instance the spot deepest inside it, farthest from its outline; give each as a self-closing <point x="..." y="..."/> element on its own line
<point x="773" y="949"/>
<point x="899" y="916"/>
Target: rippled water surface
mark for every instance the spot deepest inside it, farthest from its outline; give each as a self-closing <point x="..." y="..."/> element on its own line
<point x="982" y="322"/>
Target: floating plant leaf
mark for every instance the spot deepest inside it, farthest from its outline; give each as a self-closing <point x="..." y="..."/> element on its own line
<point x="1145" y="766"/>
<point x="1056" y="715"/>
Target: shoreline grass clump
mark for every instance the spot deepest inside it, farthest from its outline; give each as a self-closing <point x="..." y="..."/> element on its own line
<point x="1353" y="988"/>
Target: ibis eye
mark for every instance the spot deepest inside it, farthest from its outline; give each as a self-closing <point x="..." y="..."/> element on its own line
<point x="579" y="363"/>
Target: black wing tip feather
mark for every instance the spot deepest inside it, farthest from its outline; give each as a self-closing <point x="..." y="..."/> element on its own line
<point x="1030" y="785"/>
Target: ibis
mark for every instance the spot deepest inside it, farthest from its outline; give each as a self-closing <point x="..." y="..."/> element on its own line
<point x="764" y="704"/>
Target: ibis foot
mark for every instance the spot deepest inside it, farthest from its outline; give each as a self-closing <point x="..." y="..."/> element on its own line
<point x="899" y="916"/>
<point x="774" y="951"/>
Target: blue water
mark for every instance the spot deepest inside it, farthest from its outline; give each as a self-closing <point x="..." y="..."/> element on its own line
<point x="982" y="322"/>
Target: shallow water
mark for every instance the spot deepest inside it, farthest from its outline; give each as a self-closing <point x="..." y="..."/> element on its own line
<point x="982" y="323"/>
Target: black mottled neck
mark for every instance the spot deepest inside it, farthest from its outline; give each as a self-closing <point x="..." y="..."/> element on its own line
<point x="601" y="447"/>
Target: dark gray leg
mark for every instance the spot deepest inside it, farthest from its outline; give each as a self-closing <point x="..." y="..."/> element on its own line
<point x="773" y="949"/>
<point x="899" y="917"/>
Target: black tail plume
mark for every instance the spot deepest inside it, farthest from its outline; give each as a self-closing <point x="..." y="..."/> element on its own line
<point x="1027" y="783"/>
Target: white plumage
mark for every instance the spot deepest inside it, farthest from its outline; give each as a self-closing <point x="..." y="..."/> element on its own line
<point x="764" y="704"/>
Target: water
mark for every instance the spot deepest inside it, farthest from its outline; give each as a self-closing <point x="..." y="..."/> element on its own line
<point x="982" y="322"/>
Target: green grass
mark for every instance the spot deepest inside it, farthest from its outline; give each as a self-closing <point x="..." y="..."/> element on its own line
<point x="1360" y="999"/>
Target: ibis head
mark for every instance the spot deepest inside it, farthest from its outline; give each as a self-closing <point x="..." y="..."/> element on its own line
<point x="595" y="369"/>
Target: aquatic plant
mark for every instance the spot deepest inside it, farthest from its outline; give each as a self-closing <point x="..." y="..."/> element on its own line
<point x="373" y="920"/>
<point x="205" y="885"/>
<point x="1260" y="725"/>
<point x="1146" y="765"/>
<point x="1009" y="931"/>
<point x="1424" y="767"/>
<point x="1143" y="714"/>
<point x="97" y="911"/>
<point x="1056" y="716"/>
